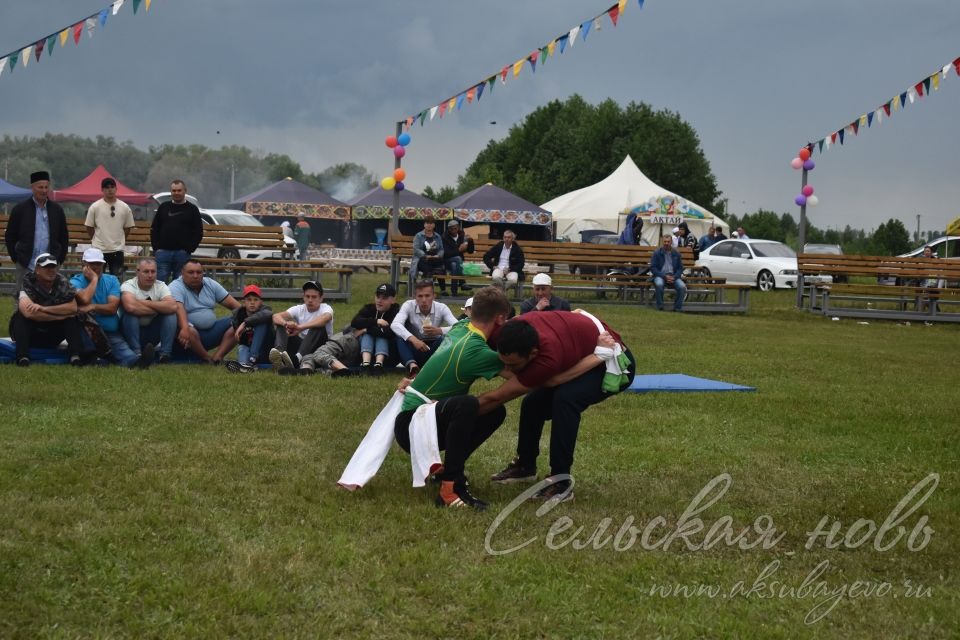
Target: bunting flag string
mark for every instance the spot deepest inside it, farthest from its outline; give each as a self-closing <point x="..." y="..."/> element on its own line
<point x="74" y="31"/>
<point x="918" y="90"/>
<point x="539" y="55"/>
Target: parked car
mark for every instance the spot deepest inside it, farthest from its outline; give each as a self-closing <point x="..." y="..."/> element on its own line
<point x="829" y="249"/>
<point x="597" y="238"/>
<point x="764" y="263"/>
<point x="213" y="217"/>
<point x="944" y="247"/>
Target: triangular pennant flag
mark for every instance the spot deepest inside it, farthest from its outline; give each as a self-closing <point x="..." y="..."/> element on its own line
<point x="912" y="94"/>
<point x="12" y="61"/>
<point x="460" y="99"/>
<point x="640" y="2"/>
<point x="572" y="36"/>
<point x="3" y="65"/>
<point x="936" y="82"/>
<point x="945" y="71"/>
<point x="597" y="24"/>
<point x="91" y="26"/>
<point x="903" y="99"/>
<point x="863" y="120"/>
<point x="25" y="56"/>
<point x="563" y="42"/>
<point x="442" y="107"/>
<point x="470" y="93"/>
<point x="117" y="5"/>
<point x="585" y="29"/>
<point x="533" y="60"/>
<point x="886" y="109"/>
<point x="63" y="36"/>
<point x="517" y="66"/>
<point x="879" y="113"/>
<point x="423" y="115"/>
<point x="503" y="74"/>
<point x="103" y="17"/>
<point x="480" y="88"/>
<point x="827" y="143"/>
<point x="552" y="47"/>
<point x="869" y="119"/>
<point x="492" y="80"/>
<point x="621" y="6"/>
<point x="409" y="122"/>
<point x="926" y="85"/>
<point x="136" y="5"/>
<point x="820" y="145"/>
<point x="451" y="102"/>
<point x="77" y="32"/>
<point x="51" y="43"/>
<point x="146" y="5"/>
<point x="833" y="137"/>
<point x="544" y="54"/>
<point x="38" y="49"/>
<point x="614" y="13"/>
<point x="841" y="135"/>
<point x="956" y="65"/>
<point x="919" y="88"/>
<point x="856" y="127"/>
<point x="433" y="112"/>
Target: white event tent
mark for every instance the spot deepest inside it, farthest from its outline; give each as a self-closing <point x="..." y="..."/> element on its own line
<point x="604" y="205"/>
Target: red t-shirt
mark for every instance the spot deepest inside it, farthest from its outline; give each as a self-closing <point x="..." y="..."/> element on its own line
<point x="565" y="339"/>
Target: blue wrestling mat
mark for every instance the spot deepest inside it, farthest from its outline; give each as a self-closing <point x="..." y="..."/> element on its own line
<point x="678" y="382"/>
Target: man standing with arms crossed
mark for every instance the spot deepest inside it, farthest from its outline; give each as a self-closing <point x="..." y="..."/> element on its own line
<point x="176" y="232"/>
<point x="108" y="223"/>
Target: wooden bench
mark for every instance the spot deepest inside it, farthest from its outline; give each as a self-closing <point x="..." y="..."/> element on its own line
<point x="594" y="263"/>
<point x="885" y="287"/>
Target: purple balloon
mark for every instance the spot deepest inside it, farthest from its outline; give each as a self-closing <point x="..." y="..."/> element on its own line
<point x="809" y="165"/>
<point x="800" y="200"/>
<point x="399" y="151"/>
<point x="399" y="186"/>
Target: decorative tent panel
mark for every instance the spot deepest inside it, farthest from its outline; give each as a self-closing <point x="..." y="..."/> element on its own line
<point x="374" y="212"/>
<point x="668" y="209"/>
<point x="487" y="216"/>
<point x="325" y="211"/>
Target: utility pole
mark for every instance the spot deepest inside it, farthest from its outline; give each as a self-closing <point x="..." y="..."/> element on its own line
<point x="233" y="175"/>
<point x="917" y="238"/>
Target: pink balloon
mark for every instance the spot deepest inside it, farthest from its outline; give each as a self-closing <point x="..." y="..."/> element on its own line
<point x="807" y="191"/>
<point x="796" y="163"/>
<point x="399" y="151"/>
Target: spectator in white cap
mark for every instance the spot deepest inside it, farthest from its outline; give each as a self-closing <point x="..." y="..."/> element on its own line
<point x="467" y="309"/>
<point x="98" y="294"/>
<point x="543" y="298"/>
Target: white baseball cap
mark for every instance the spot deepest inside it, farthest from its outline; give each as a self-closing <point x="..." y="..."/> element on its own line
<point x="542" y="279"/>
<point x="468" y="303"/>
<point x="93" y="255"/>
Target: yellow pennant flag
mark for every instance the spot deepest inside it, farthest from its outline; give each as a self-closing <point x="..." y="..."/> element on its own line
<point x="551" y="47"/>
<point x="146" y="4"/>
<point x="516" y="67"/>
<point x="451" y="104"/>
<point x="863" y="120"/>
<point x="896" y="103"/>
<point x="63" y="36"/>
<point x="25" y="55"/>
<point x="622" y="6"/>
<point x="935" y="78"/>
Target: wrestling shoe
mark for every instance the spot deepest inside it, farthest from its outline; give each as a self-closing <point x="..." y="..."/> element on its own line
<point x="238" y="367"/>
<point x="280" y="359"/>
<point x="514" y="473"/>
<point x="456" y="494"/>
<point x="554" y="491"/>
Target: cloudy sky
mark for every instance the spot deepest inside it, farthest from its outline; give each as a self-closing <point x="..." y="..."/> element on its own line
<point x="324" y="81"/>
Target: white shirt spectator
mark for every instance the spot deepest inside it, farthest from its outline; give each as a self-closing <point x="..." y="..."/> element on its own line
<point x="409" y="320"/>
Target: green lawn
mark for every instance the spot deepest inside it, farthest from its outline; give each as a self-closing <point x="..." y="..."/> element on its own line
<point x="186" y="502"/>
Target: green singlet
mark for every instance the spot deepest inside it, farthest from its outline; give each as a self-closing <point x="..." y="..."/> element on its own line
<point x="463" y="357"/>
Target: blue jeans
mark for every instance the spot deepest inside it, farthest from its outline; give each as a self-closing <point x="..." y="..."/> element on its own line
<point x="408" y="354"/>
<point x="678" y="284"/>
<point x="211" y="337"/>
<point x="161" y="332"/>
<point x="119" y="348"/>
<point x="170" y="262"/>
<point x="368" y="344"/>
<point x="251" y="354"/>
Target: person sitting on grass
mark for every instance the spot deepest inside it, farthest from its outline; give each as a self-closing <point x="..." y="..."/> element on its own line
<point x="149" y="311"/>
<point x="338" y="356"/>
<point x="301" y="328"/>
<point x="420" y="326"/>
<point x="46" y="313"/>
<point x="199" y="330"/>
<point x="543" y="298"/>
<point x="251" y="325"/>
<point x="376" y="318"/>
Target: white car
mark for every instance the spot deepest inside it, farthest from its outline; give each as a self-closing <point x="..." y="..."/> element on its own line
<point x="764" y="263"/>
<point x="214" y="217"/>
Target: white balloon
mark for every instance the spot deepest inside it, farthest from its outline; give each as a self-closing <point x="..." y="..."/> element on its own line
<point x="813" y="201"/>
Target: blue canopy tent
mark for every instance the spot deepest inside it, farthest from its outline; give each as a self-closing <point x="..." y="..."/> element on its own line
<point x="12" y="193"/>
<point x="489" y="204"/>
<point x="286" y="199"/>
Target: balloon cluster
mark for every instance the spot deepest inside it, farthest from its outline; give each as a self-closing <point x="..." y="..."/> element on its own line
<point x="399" y="145"/>
<point x="803" y="161"/>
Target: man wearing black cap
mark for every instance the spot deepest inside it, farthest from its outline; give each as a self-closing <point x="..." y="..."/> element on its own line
<point x="176" y="232"/>
<point x="301" y="328"/>
<point x="36" y="226"/>
<point x="46" y="312"/>
<point x="108" y="223"/>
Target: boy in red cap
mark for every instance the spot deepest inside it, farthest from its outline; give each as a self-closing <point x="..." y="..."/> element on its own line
<point x="251" y="325"/>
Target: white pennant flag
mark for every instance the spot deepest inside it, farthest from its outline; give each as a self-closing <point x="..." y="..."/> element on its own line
<point x="879" y="113"/>
<point x="91" y="26"/>
<point x="826" y="143"/>
<point x="911" y="94"/>
<point x="945" y="71"/>
<point x="433" y="111"/>
<point x="25" y="55"/>
<point x="596" y="24"/>
<point x="116" y="6"/>
<point x="573" y="36"/>
<point x="3" y="65"/>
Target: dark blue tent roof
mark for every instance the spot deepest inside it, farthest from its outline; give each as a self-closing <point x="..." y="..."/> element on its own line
<point x="287" y="191"/>
<point x="12" y="193"/>
<point x="490" y="203"/>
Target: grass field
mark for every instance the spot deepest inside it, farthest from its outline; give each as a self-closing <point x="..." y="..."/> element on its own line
<point x="186" y="502"/>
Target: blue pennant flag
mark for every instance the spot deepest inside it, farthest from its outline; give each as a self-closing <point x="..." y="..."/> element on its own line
<point x="869" y="119"/>
<point x="460" y="99"/>
<point x="563" y="42"/>
<point x="103" y="16"/>
<point x="841" y="135"/>
<point x="480" y="90"/>
<point x="585" y="29"/>
<point x="641" y="4"/>
<point x="903" y="100"/>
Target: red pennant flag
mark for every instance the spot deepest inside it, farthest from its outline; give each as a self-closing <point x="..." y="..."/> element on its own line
<point x="470" y="94"/>
<point x="919" y="88"/>
<point x="503" y="73"/>
<point x="886" y="109"/>
<point x="38" y="49"/>
<point x="409" y="121"/>
<point x="833" y="138"/>
<point x="77" y="32"/>
<point x="443" y="107"/>
<point x="956" y="65"/>
<point x="856" y="126"/>
<point x="614" y="13"/>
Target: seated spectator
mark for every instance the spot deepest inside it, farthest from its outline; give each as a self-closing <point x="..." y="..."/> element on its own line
<point x="375" y="318"/>
<point x="505" y="261"/>
<point x="708" y="239"/>
<point x="252" y="322"/>
<point x="456" y="244"/>
<point x="687" y="239"/>
<point x="46" y="312"/>
<point x="667" y="269"/>
<point x="199" y="330"/>
<point x="419" y="327"/>
<point x="427" y="258"/>
<point x="301" y="328"/>
<point x="335" y="357"/>
<point x="543" y="298"/>
<point x="467" y="309"/>
<point x="98" y="294"/>
<point x="149" y="311"/>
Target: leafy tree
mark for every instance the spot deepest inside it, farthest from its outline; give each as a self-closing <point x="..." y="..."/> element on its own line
<point x="563" y="146"/>
<point x="445" y="194"/>
<point x="891" y="238"/>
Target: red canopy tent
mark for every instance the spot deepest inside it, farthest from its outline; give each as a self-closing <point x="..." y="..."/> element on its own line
<point x="88" y="190"/>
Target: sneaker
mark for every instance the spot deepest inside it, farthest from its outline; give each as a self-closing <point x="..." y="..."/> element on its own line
<point x="23" y="361"/>
<point x="146" y="357"/>
<point x="365" y="369"/>
<point x="164" y="358"/>
<point x="280" y="359"/>
<point x="377" y="369"/>
<point x="456" y="494"/>
<point x="238" y="367"/>
<point x="554" y="491"/>
<point x="76" y="361"/>
<point x="514" y="473"/>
